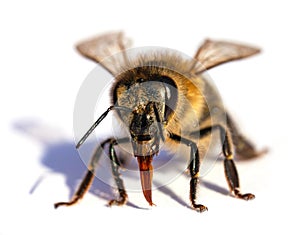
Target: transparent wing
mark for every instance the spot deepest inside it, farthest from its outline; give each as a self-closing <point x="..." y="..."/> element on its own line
<point x="104" y="46"/>
<point x="213" y="53"/>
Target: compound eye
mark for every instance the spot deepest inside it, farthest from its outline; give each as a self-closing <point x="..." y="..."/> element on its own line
<point x="171" y="95"/>
<point x="168" y="92"/>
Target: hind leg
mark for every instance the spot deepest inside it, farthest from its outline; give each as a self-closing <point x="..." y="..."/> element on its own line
<point x="229" y="165"/>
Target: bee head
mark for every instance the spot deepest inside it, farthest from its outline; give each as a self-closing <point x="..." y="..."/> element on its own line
<point x="150" y="99"/>
<point x="145" y="101"/>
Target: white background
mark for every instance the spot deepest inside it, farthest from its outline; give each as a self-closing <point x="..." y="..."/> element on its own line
<point x="41" y="74"/>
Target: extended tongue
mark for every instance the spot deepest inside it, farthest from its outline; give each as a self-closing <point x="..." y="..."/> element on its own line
<point x="146" y="173"/>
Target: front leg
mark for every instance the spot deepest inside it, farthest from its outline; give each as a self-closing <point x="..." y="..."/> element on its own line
<point x="89" y="176"/>
<point x="115" y="164"/>
<point x="86" y="182"/>
<point x="194" y="169"/>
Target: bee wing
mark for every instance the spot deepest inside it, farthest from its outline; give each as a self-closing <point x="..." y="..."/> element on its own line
<point x="104" y="46"/>
<point x="213" y="53"/>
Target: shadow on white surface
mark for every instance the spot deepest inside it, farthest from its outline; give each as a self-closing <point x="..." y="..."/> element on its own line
<point x="214" y="187"/>
<point x="60" y="156"/>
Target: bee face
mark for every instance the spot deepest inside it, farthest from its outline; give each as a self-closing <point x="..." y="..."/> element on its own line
<point x="143" y="127"/>
<point x="147" y="99"/>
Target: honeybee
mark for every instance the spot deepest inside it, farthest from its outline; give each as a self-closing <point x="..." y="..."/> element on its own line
<point x="164" y="99"/>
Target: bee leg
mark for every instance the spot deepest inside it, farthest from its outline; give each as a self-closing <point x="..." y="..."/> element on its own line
<point x="229" y="165"/>
<point x="89" y="176"/>
<point x="243" y="147"/>
<point x="115" y="164"/>
<point x="233" y="181"/>
<point x="86" y="182"/>
<point x="194" y="169"/>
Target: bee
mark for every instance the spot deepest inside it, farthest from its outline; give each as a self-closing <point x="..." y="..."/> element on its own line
<point x="164" y="99"/>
